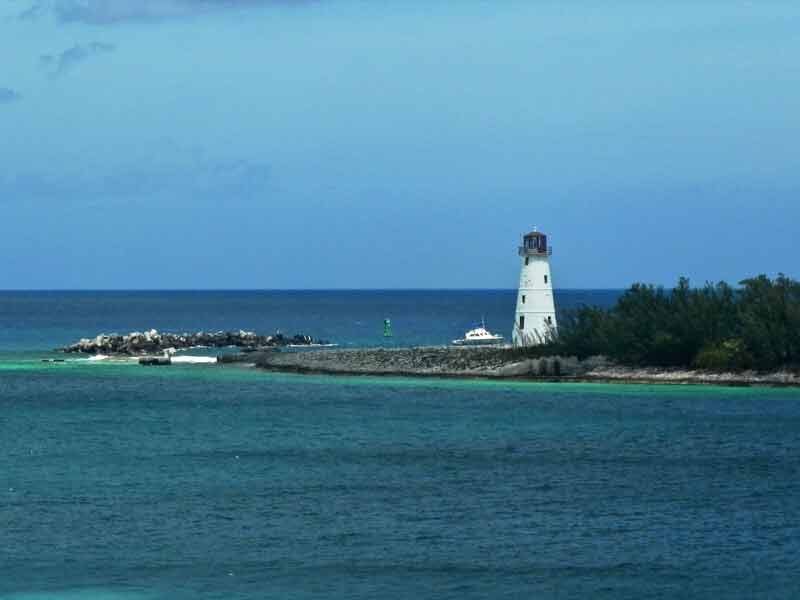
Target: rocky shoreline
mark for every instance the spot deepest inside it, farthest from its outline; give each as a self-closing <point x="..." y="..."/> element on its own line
<point x="153" y="342"/>
<point x="495" y="363"/>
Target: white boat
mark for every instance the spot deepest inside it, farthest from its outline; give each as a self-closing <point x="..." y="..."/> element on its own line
<point x="480" y="336"/>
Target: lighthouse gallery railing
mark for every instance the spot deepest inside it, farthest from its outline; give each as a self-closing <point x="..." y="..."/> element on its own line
<point x="523" y="251"/>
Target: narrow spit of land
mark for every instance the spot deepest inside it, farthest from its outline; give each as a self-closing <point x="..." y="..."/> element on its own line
<point x="269" y="353"/>
<point x="494" y="363"/>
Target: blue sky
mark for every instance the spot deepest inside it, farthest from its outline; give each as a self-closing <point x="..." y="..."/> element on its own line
<point x="333" y="143"/>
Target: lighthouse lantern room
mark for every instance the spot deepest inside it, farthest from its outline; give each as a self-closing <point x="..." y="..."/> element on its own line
<point x="535" y="319"/>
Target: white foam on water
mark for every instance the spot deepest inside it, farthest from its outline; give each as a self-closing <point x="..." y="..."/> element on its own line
<point x="102" y="358"/>
<point x="193" y="360"/>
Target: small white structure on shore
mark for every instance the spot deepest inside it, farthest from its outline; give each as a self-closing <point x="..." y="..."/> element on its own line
<point x="535" y="319"/>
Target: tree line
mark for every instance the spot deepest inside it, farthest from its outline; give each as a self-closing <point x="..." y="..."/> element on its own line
<point x="716" y="327"/>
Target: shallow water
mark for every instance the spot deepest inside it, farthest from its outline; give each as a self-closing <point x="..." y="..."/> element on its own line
<point x="197" y="481"/>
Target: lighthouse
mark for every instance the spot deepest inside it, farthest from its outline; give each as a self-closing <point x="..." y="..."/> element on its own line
<point x="535" y="319"/>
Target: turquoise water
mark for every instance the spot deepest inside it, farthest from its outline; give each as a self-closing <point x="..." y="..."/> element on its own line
<point x="124" y="482"/>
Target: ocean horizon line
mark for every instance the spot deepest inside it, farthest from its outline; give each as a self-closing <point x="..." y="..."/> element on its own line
<point x="260" y="290"/>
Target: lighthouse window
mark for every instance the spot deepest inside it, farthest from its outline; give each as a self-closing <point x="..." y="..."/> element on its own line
<point x="522" y="321"/>
<point x="545" y="278"/>
<point x="526" y="261"/>
<point x="523" y="299"/>
<point x="549" y="320"/>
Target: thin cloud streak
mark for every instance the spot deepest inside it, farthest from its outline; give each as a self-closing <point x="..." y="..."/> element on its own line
<point x="183" y="178"/>
<point x="59" y="64"/>
<point x="109" y="12"/>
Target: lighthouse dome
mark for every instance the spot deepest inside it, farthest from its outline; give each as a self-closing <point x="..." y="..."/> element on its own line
<point x="534" y="243"/>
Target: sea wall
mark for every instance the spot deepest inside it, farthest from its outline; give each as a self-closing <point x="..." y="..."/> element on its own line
<point x="435" y="361"/>
<point x="496" y="363"/>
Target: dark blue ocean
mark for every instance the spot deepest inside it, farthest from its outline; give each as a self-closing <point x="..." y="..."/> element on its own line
<point x="44" y="320"/>
<point x="123" y="482"/>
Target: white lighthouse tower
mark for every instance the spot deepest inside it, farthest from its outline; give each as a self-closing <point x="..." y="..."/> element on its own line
<point x="535" y="320"/>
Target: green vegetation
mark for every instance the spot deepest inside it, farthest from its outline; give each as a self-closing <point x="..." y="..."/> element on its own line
<point x="717" y="327"/>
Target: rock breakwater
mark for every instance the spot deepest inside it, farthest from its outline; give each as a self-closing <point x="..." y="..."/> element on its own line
<point x="152" y="341"/>
<point x="500" y="363"/>
<point x="434" y="361"/>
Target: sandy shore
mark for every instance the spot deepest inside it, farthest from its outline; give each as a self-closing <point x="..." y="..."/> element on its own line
<point x="496" y="363"/>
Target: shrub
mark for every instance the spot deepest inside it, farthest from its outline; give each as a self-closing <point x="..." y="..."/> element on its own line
<point x="729" y="355"/>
